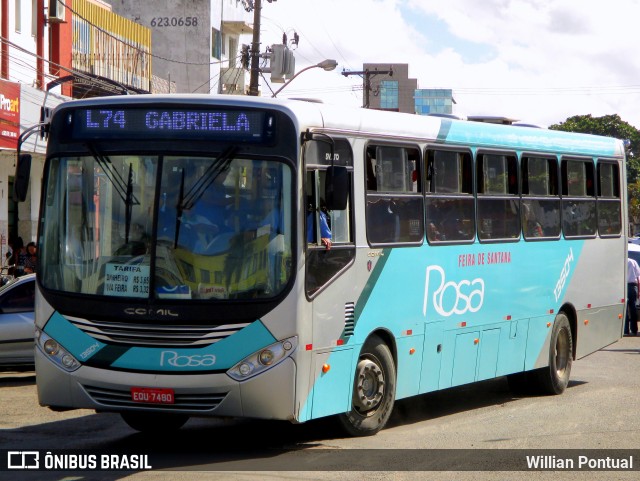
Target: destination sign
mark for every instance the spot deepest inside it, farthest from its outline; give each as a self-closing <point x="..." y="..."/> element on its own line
<point x="172" y="123"/>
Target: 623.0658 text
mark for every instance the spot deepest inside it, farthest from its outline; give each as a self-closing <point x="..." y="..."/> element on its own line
<point x="174" y="22"/>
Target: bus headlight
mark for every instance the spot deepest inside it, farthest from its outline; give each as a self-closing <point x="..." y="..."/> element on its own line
<point x="55" y="352"/>
<point x="263" y="359"/>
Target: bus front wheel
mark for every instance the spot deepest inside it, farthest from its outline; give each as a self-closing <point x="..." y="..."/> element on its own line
<point x="554" y="378"/>
<point x="374" y="390"/>
<point x="154" y="422"/>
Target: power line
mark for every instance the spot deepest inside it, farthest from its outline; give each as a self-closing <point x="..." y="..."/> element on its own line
<point x="135" y="47"/>
<point x="76" y="73"/>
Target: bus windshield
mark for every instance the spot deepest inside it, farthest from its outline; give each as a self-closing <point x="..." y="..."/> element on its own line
<point x="167" y="227"/>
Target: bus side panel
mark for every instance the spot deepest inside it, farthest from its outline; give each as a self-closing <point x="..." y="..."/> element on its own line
<point x="489" y="349"/>
<point x="513" y="347"/>
<point x="432" y="357"/>
<point x="597" y="291"/>
<point x="598" y="326"/>
<point x="409" y="365"/>
<point x="332" y="387"/>
<point x="538" y="340"/>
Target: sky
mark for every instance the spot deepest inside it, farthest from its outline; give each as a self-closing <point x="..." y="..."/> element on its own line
<point x="538" y="61"/>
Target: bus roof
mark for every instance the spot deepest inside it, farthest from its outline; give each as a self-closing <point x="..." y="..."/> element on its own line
<point x="360" y="122"/>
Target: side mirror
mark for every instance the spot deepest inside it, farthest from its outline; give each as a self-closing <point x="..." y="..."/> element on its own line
<point x="21" y="182"/>
<point x="336" y="188"/>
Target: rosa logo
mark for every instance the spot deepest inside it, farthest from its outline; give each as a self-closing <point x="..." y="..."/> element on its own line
<point x="450" y="297"/>
<point x="173" y="359"/>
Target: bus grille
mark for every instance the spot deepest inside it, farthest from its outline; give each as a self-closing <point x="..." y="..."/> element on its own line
<point x="185" y="402"/>
<point x="157" y="335"/>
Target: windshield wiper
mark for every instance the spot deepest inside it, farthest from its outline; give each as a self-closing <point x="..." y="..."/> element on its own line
<point x="186" y="202"/>
<point x="124" y="189"/>
<point x="217" y="167"/>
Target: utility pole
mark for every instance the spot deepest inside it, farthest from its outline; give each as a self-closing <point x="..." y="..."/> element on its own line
<point x="255" y="49"/>
<point x="366" y="75"/>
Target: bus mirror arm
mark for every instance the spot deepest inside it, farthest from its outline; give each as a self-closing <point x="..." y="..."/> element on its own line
<point x="23" y="166"/>
<point x="23" y="172"/>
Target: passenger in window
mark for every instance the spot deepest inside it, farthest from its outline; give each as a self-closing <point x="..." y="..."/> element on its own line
<point x="384" y="223"/>
<point x="372" y="182"/>
<point x="325" y="229"/>
<point x="533" y="228"/>
<point x="433" y="234"/>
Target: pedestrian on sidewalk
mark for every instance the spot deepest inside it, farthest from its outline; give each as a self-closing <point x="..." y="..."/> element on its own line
<point x="633" y="279"/>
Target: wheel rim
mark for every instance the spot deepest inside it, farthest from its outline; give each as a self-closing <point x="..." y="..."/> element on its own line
<point x="562" y="352"/>
<point x="369" y="388"/>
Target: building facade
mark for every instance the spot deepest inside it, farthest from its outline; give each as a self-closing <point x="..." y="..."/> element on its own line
<point x="389" y="87"/>
<point x="434" y="101"/>
<point x="196" y="43"/>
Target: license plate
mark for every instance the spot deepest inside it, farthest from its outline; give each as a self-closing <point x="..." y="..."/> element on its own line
<point x="152" y="395"/>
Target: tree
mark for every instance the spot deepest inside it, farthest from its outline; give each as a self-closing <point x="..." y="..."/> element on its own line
<point x="613" y="126"/>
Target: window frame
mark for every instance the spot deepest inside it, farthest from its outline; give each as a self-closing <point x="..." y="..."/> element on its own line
<point x="554" y="186"/>
<point x="344" y="252"/>
<point x="616" y="198"/>
<point x="512" y="193"/>
<point x="589" y="197"/>
<point x="462" y="195"/>
<point x="384" y="195"/>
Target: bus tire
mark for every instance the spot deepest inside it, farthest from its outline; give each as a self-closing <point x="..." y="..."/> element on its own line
<point x="374" y="390"/>
<point x="554" y="378"/>
<point x="154" y="422"/>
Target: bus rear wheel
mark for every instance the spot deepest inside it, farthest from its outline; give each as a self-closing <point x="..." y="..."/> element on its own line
<point x="374" y="390"/>
<point x="554" y="378"/>
<point x="154" y="422"/>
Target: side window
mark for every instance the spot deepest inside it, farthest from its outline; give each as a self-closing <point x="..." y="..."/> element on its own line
<point x="609" y="206"/>
<point x="540" y="205"/>
<point x="578" y="198"/>
<point x="395" y="212"/>
<point x="324" y="225"/>
<point x="328" y="232"/>
<point x="19" y="299"/>
<point x="450" y="214"/>
<point x="498" y="201"/>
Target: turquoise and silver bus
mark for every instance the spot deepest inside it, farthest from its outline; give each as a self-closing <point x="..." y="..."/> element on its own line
<point x="182" y="271"/>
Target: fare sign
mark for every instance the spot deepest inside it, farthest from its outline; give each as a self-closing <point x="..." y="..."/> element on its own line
<point x="126" y="280"/>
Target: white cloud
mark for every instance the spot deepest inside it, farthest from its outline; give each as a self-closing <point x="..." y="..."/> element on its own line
<point x="537" y="60"/>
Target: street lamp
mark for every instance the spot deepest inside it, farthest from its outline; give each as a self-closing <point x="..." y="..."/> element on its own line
<point x="327" y="65"/>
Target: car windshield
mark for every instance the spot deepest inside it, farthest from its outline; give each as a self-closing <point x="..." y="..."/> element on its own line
<point x="169" y="227"/>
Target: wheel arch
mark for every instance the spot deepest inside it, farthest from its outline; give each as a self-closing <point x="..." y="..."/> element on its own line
<point x="388" y="339"/>
<point x="570" y="311"/>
